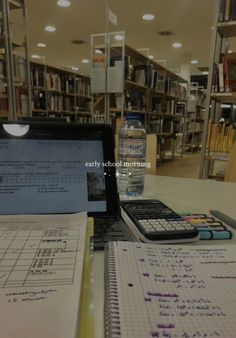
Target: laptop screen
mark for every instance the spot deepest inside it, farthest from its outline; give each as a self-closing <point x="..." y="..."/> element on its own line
<point x="57" y="169"/>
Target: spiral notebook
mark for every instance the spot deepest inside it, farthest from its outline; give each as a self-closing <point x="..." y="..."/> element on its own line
<point x="170" y="291"/>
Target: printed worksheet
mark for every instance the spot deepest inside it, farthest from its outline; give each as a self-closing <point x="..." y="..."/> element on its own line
<point x="41" y="264"/>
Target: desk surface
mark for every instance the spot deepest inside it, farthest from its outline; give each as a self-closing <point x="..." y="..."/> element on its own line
<point x="182" y="195"/>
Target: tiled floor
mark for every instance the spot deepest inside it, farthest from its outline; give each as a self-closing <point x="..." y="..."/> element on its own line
<point x="188" y="166"/>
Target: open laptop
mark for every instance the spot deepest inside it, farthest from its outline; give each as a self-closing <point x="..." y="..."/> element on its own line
<point x="51" y="168"/>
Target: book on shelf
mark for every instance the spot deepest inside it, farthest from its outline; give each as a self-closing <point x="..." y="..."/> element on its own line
<point x="169" y="291"/>
<point x="224" y="74"/>
<point x="37" y="76"/>
<point x="134" y="100"/>
<point x="227" y="10"/>
<point x="117" y="61"/>
<point x="20" y="68"/>
<point x="143" y="74"/>
<point x="233" y="10"/>
<point x="39" y="100"/>
<point x="222" y="137"/>
<point x="222" y="11"/>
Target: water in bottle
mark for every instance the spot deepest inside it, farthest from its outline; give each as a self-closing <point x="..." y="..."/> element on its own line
<point x="132" y="155"/>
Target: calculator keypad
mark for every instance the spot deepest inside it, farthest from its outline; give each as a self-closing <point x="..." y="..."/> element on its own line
<point x="163" y="225"/>
<point x="158" y="218"/>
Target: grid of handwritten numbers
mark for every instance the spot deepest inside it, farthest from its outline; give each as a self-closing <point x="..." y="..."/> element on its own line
<point x="173" y="292"/>
<point x="38" y="256"/>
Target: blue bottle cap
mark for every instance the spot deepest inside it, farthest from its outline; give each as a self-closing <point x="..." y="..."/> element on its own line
<point x="132" y="116"/>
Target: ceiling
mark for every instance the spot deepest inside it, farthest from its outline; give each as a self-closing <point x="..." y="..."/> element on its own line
<point x="190" y="21"/>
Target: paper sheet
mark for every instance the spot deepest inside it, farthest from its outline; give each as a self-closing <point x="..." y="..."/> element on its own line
<point x="41" y="262"/>
<point x="175" y="291"/>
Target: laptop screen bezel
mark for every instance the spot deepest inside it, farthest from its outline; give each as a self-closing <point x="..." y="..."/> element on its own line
<point x="72" y="131"/>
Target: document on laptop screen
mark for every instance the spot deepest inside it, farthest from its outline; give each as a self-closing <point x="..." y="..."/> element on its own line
<point x="51" y="176"/>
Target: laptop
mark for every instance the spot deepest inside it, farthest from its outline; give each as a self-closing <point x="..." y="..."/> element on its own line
<point x="53" y="168"/>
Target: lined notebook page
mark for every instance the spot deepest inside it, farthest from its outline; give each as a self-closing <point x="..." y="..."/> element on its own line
<point x="170" y="291"/>
<point x="41" y="262"/>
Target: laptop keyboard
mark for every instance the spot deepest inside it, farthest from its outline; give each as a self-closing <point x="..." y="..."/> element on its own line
<point x="109" y="229"/>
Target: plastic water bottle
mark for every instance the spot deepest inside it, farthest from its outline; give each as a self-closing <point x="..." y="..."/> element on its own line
<point x="132" y="156"/>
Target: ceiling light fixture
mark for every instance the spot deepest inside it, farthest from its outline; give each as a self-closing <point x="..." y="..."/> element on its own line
<point x="75" y="68"/>
<point x="194" y="62"/>
<point x="41" y="45"/>
<point x="35" y="56"/>
<point x="85" y="61"/>
<point x="230" y="51"/>
<point x="50" y="28"/>
<point x="148" y="17"/>
<point x="205" y="73"/>
<point x="98" y="51"/>
<point x="177" y="45"/>
<point x="119" y="37"/>
<point x="63" y="3"/>
<point x="151" y="57"/>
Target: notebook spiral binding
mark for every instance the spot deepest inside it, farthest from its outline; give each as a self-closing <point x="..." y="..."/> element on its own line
<point x="111" y="313"/>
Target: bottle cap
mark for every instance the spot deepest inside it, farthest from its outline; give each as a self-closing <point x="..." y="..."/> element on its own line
<point x="132" y="116"/>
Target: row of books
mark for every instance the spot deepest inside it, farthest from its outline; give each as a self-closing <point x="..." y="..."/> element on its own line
<point x="220" y="137"/>
<point x="75" y="118"/>
<point x="55" y="102"/>
<point x="162" y="125"/>
<point x="165" y="107"/>
<point x="224" y="74"/>
<point x="227" y="11"/>
<point x="147" y="75"/>
<point x="195" y="126"/>
<point x="67" y="83"/>
<point x="135" y="100"/>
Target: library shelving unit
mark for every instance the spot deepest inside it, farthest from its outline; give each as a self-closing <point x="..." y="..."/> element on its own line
<point x="147" y="88"/>
<point x="195" y="117"/>
<point x="60" y="93"/>
<point x="219" y="124"/>
<point x="15" y="91"/>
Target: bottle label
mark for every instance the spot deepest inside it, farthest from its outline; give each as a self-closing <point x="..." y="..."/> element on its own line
<point x="132" y="147"/>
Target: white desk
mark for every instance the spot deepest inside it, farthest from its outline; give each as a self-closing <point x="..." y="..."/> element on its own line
<point x="182" y="195"/>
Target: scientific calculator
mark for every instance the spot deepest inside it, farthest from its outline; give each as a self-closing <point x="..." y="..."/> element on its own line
<point x="153" y="221"/>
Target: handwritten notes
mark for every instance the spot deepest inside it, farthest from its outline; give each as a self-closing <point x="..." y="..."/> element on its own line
<point x="173" y="291"/>
<point x="41" y="262"/>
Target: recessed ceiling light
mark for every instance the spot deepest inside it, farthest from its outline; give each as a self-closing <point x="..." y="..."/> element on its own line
<point x="119" y="37"/>
<point x="41" y="45"/>
<point x="35" y="56"/>
<point x="177" y="45"/>
<point x="63" y="3"/>
<point x="194" y="62"/>
<point x="50" y="28"/>
<point x="205" y="73"/>
<point x="151" y="57"/>
<point x="75" y="68"/>
<point x="85" y="61"/>
<point x="230" y="51"/>
<point x="148" y="17"/>
<point x="98" y="51"/>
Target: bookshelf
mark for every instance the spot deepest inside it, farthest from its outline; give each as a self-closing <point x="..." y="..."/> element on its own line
<point x="60" y="93"/>
<point x="220" y="120"/>
<point x="15" y="91"/>
<point x="195" y="117"/>
<point x="157" y="94"/>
